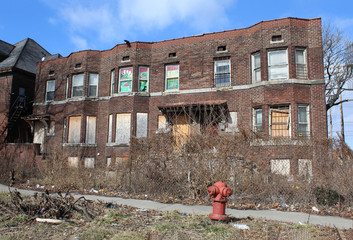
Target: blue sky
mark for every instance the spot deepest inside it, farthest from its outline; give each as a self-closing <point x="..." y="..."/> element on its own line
<point x="65" y="26"/>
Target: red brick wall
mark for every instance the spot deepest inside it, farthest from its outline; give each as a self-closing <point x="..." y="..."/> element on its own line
<point x="196" y="56"/>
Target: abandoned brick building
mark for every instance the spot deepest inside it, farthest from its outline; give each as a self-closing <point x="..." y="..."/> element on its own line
<point x="267" y="78"/>
<point x="17" y="80"/>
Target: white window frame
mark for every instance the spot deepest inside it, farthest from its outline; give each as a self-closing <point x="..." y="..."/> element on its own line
<point x="91" y="130"/>
<point x="283" y="66"/>
<point x="255" y="69"/>
<point x="174" y="77"/>
<point x="298" y="66"/>
<point x="216" y="73"/>
<point x="140" y="79"/>
<point x="110" y="128"/>
<point x="93" y="81"/>
<point x="257" y="127"/>
<point x="307" y="122"/>
<point x="76" y="85"/>
<point x="120" y="81"/>
<point x="112" y="82"/>
<point x="50" y="91"/>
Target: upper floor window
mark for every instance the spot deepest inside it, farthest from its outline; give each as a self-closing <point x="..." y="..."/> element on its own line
<point x="256" y="68"/>
<point x="172" y="77"/>
<point x="93" y="85"/>
<point x="300" y="63"/>
<point x="50" y="91"/>
<point x="143" y="79"/>
<point x="172" y="55"/>
<point x="78" y="65"/>
<point x="221" y="48"/>
<point x="112" y="82"/>
<point x="222" y="73"/>
<point x="77" y="85"/>
<point x="125" y="79"/>
<point x="303" y="121"/>
<point x="257" y="120"/>
<point x="278" y="64"/>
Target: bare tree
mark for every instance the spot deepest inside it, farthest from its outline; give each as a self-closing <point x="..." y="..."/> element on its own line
<point x="338" y="63"/>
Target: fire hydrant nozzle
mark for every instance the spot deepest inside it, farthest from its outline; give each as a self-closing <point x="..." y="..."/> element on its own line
<point x="220" y="192"/>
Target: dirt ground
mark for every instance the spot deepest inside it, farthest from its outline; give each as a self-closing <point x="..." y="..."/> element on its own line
<point x="83" y="219"/>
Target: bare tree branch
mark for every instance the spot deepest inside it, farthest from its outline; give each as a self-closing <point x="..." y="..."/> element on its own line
<point x="338" y="63"/>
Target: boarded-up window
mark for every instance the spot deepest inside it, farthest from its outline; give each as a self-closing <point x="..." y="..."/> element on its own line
<point x="141" y="125"/>
<point x="110" y="128"/>
<point x="280" y="121"/>
<point x="73" y="161"/>
<point x="109" y="161"/>
<point x="74" y="130"/>
<point x="89" y="162"/>
<point x="305" y="167"/>
<point x="181" y="129"/>
<point x="51" y="131"/>
<point x="162" y="123"/>
<point x="232" y="122"/>
<point x="280" y="166"/>
<point x="91" y="130"/>
<point x="123" y="125"/>
<point x="39" y="131"/>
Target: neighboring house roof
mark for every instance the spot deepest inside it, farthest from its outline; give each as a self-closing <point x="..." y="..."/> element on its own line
<point x="24" y="55"/>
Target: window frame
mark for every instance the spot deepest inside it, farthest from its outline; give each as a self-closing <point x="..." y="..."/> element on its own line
<point x="129" y="79"/>
<point x="140" y="79"/>
<point x="257" y="127"/>
<point x="255" y="69"/>
<point x="70" y="137"/>
<point x="303" y="65"/>
<point x="90" y="133"/>
<point x="289" y="121"/>
<point x="167" y="78"/>
<point x="215" y="74"/>
<point x="307" y="122"/>
<point x="92" y="85"/>
<point x="112" y="82"/>
<point x="283" y="65"/>
<point x="77" y="86"/>
<point x="50" y="92"/>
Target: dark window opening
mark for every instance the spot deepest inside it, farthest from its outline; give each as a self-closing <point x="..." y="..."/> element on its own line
<point x="221" y="48"/>
<point x="51" y="73"/>
<point x="171" y="55"/>
<point x="78" y="65"/>
<point x="276" y="38"/>
<point x="126" y="58"/>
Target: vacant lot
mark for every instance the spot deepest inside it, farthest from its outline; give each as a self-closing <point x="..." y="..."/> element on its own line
<point x="82" y="219"/>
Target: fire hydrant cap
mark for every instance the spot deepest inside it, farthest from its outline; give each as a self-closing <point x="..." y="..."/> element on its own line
<point x="227" y="192"/>
<point x="213" y="190"/>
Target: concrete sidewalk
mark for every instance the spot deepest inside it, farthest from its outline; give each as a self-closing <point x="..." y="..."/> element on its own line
<point x="293" y="217"/>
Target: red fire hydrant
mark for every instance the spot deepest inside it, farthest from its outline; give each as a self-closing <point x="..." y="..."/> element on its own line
<point x="220" y="192"/>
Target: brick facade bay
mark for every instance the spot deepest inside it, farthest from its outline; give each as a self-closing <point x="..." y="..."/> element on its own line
<point x="196" y="56"/>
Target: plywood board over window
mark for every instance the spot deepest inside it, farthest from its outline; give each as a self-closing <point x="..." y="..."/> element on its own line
<point x="74" y="130"/>
<point x="280" y="121"/>
<point x="91" y="130"/>
<point x="123" y="125"/>
<point x="141" y="125"/>
<point x="181" y="129"/>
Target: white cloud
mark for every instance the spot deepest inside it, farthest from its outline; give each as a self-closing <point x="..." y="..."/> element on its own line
<point x="110" y="21"/>
<point x="79" y="42"/>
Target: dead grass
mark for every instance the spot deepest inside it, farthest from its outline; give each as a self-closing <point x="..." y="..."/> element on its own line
<point x="122" y="222"/>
